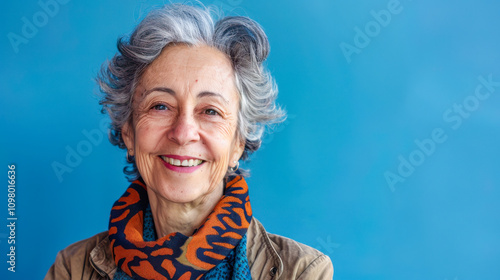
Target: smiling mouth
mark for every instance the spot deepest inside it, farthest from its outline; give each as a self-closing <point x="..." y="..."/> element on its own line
<point x="182" y="163"/>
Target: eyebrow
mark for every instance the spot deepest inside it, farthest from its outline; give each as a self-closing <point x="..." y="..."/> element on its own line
<point x="212" y="94"/>
<point x="162" y="89"/>
<point x="172" y="92"/>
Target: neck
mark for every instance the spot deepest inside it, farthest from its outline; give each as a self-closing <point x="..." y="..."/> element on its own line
<point x="170" y="217"/>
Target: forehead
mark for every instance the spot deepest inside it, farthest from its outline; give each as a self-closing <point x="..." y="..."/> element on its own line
<point x="182" y="63"/>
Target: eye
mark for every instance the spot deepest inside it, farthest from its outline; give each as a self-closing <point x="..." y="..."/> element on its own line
<point x="160" y="107"/>
<point x="211" y="112"/>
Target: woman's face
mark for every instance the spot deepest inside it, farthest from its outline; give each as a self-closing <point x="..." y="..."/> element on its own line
<point x="184" y="125"/>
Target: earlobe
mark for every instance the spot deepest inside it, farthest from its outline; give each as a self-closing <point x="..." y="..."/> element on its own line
<point x="128" y="136"/>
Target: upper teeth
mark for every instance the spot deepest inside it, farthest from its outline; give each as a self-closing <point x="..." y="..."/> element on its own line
<point x="186" y="162"/>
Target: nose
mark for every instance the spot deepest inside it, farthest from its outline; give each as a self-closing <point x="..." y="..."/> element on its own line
<point x="184" y="130"/>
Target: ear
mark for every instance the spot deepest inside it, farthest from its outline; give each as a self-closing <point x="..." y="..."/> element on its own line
<point x="128" y="137"/>
<point x="238" y="149"/>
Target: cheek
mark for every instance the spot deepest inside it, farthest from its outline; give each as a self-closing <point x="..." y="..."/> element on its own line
<point x="217" y="173"/>
<point x="223" y="132"/>
<point x="219" y="140"/>
<point x="149" y="135"/>
<point x="219" y="136"/>
<point x="148" y="138"/>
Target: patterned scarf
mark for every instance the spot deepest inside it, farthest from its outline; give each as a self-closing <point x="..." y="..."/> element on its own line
<point x="177" y="256"/>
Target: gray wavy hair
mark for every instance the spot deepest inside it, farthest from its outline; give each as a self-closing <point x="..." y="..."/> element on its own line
<point x="240" y="38"/>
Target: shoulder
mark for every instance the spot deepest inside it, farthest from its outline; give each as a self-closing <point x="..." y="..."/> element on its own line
<point x="302" y="261"/>
<point x="75" y="259"/>
<point x="275" y="255"/>
<point x="83" y="247"/>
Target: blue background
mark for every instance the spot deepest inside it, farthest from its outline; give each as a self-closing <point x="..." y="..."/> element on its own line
<point x="321" y="177"/>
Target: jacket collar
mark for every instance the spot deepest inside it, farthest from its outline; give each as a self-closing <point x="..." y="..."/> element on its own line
<point x="101" y="259"/>
<point x="259" y="246"/>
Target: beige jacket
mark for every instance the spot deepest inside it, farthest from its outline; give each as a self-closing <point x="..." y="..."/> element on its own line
<point x="269" y="256"/>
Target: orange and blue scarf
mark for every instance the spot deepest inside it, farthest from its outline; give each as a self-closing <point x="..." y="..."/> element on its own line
<point x="217" y="250"/>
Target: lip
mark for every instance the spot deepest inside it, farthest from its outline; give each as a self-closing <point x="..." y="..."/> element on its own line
<point x="181" y="169"/>
<point x="180" y="157"/>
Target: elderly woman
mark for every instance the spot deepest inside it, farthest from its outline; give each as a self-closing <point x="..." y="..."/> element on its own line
<point x="188" y="98"/>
